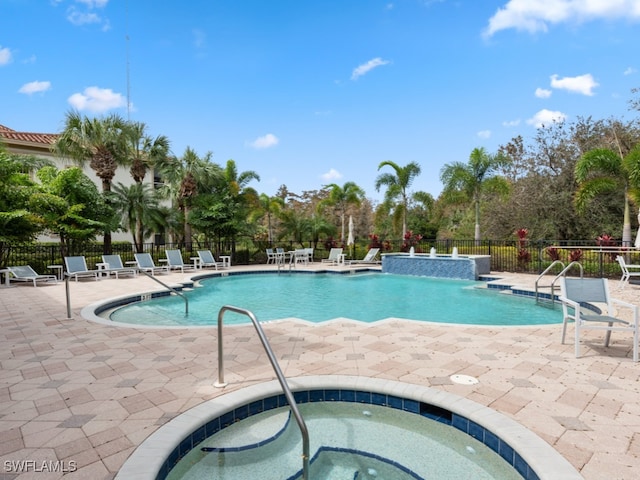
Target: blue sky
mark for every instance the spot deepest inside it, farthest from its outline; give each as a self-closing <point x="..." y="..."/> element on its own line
<point x="308" y="93"/>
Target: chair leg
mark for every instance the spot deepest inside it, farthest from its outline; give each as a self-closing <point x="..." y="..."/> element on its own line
<point x="577" y="340"/>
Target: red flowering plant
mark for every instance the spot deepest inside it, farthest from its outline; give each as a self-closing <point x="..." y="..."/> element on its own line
<point x="411" y="240"/>
<point x="524" y="255"/>
<point x="575" y="255"/>
<point x="606" y="240"/>
<point x="553" y="253"/>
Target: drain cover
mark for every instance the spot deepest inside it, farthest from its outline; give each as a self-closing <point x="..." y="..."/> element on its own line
<point x="464" y="379"/>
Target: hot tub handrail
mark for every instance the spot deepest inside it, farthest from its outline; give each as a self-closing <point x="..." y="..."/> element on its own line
<point x="276" y="367"/>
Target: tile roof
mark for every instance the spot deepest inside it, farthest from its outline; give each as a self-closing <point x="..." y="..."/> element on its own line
<point x="30" y="137"/>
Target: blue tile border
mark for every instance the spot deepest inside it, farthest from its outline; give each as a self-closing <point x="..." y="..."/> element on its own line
<point x="439" y="414"/>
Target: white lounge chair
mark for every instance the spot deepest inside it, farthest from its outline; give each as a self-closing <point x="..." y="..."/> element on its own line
<point x="300" y="257"/>
<point x="114" y="266"/>
<point x="25" y="273"/>
<point x="272" y="257"/>
<point x="145" y="263"/>
<point x="207" y="259"/>
<point x="370" y="257"/>
<point x="628" y="271"/>
<point x="335" y="256"/>
<point x="77" y="268"/>
<point x="580" y="293"/>
<point x="175" y="262"/>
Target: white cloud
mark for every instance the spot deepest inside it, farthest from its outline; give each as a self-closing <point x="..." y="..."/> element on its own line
<point x="5" y="56"/>
<point x="367" y="67"/>
<point x="35" y="87"/>
<point x="484" y="134"/>
<point x="630" y="71"/>
<point x="583" y="84"/>
<point x="266" y="141"/>
<point x="546" y="117"/>
<point x="511" y="123"/>
<point x="199" y="38"/>
<point x="81" y="18"/>
<point x="97" y="99"/>
<point x="536" y="15"/>
<point x="543" y="93"/>
<point x="332" y="174"/>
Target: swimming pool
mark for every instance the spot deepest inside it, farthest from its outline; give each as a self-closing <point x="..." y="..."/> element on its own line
<point x="515" y="445"/>
<point x="319" y="297"/>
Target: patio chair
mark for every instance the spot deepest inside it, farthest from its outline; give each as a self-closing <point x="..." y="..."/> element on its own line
<point x="175" y="262"/>
<point x="628" y="271"/>
<point x="370" y="257"/>
<point x="578" y="296"/>
<point x="334" y="256"/>
<point x="300" y="256"/>
<point x="207" y="259"/>
<point x="113" y="266"/>
<point x="25" y="273"/>
<point x="146" y="264"/>
<point x="77" y="268"/>
<point x="272" y="257"/>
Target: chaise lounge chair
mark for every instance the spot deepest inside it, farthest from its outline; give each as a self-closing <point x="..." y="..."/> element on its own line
<point x="334" y="256"/>
<point x="370" y="257"/>
<point x="146" y="264"/>
<point x="25" y="273"/>
<point x="578" y="296"/>
<point x="628" y="271"/>
<point x="175" y="262"/>
<point x="114" y="266"/>
<point x="77" y="268"/>
<point x="207" y="259"/>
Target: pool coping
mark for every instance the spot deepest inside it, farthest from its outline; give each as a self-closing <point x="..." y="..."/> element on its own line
<point x="147" y="461"/>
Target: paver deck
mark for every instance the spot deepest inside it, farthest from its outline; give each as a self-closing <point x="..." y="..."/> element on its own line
<point x="85" y="395"/>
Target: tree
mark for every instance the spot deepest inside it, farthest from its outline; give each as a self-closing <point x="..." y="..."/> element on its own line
<point x="342" y="197"/>
<point x="268" y="207"/>
<point x="142" y="150"/>
<point x="185" y="178"/>
<point x="471" y="180"/>
<point x="98" y="141"/>
<point x="397" y="186"/>
<point x="602" y="171"/>
<point x="138" y="207"/>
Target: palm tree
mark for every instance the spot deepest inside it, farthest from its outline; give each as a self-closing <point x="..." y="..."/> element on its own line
<point x="185" y="178"/>
<point x="342" y="197"/>
<point x="601" y="171"/>
<point x="268" y="206"/>
<point x="98" y="141"/>
<point x="143" y="150"/>
<point x="138" y="207"/>
<point x="397" y="186"/>
<point x="474" y="178"/>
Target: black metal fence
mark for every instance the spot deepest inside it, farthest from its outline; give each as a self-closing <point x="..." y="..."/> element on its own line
<point x="506" y="256"/>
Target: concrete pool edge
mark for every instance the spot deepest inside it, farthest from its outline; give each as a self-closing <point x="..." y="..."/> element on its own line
<point x="147" y="460"/>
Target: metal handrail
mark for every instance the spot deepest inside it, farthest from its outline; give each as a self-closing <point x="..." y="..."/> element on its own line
<point x="276" y="367"/>
<point x="171" y="289"/>
<point x="561" y="274"/>
<point x="555" y="262"/>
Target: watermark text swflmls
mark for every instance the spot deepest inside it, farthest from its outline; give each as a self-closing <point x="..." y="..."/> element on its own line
<point x="23" y="466"/>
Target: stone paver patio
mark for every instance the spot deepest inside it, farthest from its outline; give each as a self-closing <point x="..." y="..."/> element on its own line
<point x="84" y="395"/>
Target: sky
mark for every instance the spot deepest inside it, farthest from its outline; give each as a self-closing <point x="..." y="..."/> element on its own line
<point x="309" y="93"/>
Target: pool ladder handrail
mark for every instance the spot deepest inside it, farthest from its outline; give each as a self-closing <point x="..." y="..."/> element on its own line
<point x="171" y="289"/>
<point x="276" y="367"/>
<point x="555" y="279"/>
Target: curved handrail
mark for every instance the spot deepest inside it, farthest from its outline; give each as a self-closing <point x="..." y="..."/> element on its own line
<point x="555" y="262"/>
<point x="276" y="367"/>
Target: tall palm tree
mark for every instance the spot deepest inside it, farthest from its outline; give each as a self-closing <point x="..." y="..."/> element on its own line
<point x="143" y="150"/>
<point x="474" y="178"/>
<point x="185" y="178"/>
<point x="397" y="186"/>
<point x="269" y="207"/>
<point x="98" y="141"/>
<point x="341" y="197"/>
<point x="138" y="207"/>
<point x="602" y="171"/>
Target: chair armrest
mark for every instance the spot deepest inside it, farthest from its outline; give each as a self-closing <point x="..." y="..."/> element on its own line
<point x="622" y="303"/>
<point x="571" y="303"/>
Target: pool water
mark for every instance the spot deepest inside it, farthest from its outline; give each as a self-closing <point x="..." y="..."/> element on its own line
<point x="345" y="443"/>
<point x="365" y="297"/>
